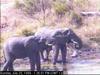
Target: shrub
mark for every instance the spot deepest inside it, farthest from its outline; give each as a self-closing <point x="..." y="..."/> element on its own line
<point x="81" y="4"/>
<point x="95" y="40"/>
<point x="28" y="7"/>
<point x="25" y="30"/>
<point x="76" y="19"/>
<point x="18" y="4"/>
<point x="59" y="7"/>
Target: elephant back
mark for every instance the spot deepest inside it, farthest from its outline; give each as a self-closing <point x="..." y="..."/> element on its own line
<point x="50" y="36"/>
<point x="30" y="42"/>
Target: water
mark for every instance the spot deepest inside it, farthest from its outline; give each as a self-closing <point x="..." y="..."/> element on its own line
<point x="77" y="67"/>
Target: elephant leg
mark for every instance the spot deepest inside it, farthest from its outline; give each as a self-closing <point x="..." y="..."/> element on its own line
<point x="42" y="55"/>
<point x="7" y="65"/>
<point x="10" y="68"/>
<point x="47" y="56"/>
<point x="56" y="54"/>
<point x="38" y="63"/>
<point x="32" y="63"/>
<point x="47" y="53"/>
<point x="64" y="53"/>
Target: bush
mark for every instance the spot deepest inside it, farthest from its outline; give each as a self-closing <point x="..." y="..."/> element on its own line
<point x="28" y="7"/>
<point x="18" y="4"/>
<point x="59" y="7"/>
<point x="81" y="4"/>
<point x="95" y="39"/>
<point x="76" y="19"/>
<point x="25" y="30"/>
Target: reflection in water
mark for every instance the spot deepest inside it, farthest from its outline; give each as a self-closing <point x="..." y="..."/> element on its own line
<point x="90" y="67"/>
<point x="57" y="67"/>
<point x="65" y="69"/>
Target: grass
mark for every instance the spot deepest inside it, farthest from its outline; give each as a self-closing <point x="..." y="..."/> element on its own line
<point x="60" y="7"/>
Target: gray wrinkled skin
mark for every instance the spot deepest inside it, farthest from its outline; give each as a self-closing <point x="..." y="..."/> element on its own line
<point x="21" y="47"/>
<point x="59" y="38"/>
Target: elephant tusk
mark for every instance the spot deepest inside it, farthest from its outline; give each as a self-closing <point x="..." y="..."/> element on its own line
<point x="49" y="44"/>
<point x="74" y="41"/>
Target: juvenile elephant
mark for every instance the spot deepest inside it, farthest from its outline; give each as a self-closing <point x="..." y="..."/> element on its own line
<point x="45" y="47"/>
<point x="21" y="47"/>
<point x="59" y="38"/>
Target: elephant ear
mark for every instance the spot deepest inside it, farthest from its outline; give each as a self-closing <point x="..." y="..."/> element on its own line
<point x="67" y="32"/>
<point x="29" y="42"/>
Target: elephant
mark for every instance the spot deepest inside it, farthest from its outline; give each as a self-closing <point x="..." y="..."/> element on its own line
<point x="58" y="38"/>
<point x="21" y="47"/>
<point x="47" y="48"/>
<point x="73" y="38"/>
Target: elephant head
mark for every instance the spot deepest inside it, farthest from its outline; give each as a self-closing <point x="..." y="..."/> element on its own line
<point x="59" y="38"/>
<point x="71" y="37"/>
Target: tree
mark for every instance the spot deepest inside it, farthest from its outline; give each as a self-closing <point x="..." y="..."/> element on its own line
<point x="32" y="7"/>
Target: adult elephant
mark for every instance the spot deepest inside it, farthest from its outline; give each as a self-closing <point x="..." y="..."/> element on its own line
<point x="21" y="47"/>
<point x="58" y="38"/>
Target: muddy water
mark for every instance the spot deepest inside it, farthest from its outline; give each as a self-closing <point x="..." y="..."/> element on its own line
<point x="85" y="67"/>
<point x="76" y="67"/>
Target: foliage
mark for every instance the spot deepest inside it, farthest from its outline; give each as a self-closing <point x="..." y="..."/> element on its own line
<point x="96" y="39"/>
<point x="81" y="4"/>
<point x="29" y="6"/>
<point x="76" y="18"/>
<point x="59" y="7"/>
<point x="18" y="4"/>
<point x="25" y="30"/>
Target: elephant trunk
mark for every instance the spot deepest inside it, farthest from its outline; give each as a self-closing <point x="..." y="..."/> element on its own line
<point x="78" y="44"/>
